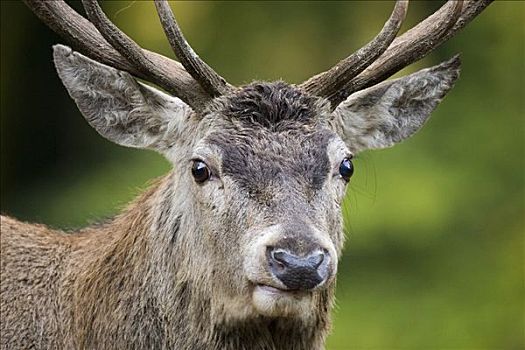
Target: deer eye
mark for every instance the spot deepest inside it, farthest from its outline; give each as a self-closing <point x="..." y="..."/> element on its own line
<point x="200" y="171"/>
<point x="346" y="169"/>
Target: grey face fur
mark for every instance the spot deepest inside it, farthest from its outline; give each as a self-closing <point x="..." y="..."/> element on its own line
<point x="274" y="153"/>
<point x="275" y="183"/>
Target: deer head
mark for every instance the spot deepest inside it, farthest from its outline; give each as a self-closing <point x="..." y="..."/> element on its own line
<point x="259" y="170"/>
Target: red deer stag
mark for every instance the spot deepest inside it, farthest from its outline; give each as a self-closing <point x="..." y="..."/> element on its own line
<point x="237" y="247"/>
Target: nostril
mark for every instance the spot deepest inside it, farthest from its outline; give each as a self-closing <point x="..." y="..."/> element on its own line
<point x="277" y="259"/>
<point x="315" y="260"/>
<point x="279" y="256"/>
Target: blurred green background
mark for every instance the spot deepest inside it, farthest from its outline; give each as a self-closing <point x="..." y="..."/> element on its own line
<point x="435" y="226"/>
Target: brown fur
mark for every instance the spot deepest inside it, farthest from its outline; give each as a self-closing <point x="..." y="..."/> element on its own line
<point x="108" y="287"/>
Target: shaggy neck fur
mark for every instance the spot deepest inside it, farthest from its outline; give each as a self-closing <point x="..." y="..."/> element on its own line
<point x="141" y="291"/>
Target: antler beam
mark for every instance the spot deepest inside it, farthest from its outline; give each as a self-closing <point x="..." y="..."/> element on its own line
<point x="105" y="43"/>
<point x="327" y="83"/>
<point x="120" y="41"/>
<point x="409" y="47"/>
<point x="418" y="42"/>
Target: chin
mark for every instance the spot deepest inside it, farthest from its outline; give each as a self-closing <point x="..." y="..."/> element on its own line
<point x="273" y="302"/>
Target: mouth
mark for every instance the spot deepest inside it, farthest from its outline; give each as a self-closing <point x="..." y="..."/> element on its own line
<point x="275" y="302"/>
<point x="277" y="292"/>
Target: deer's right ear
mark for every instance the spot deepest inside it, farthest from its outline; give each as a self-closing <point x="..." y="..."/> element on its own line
<point x="121" y="109"/>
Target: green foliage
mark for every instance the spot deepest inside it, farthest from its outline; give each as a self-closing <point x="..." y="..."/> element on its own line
<point x="434" y="254"/>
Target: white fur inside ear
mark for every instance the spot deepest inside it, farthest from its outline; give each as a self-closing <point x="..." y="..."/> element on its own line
<point x="121" y="109"/>
<point x="392" y="111"/>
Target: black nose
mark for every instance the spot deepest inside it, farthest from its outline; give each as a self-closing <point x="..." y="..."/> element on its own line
<point x="299" y="272"/>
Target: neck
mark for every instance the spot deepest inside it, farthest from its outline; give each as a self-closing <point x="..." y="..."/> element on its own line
<point x="140" y="288"/>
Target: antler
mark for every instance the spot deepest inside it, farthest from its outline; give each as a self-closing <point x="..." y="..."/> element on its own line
<point x="196" y="83"/>
<point x="404" y="50"/>
<point x="207" y="77"/>
<point x="101" y="40"/>
<point x="326" y="83"/>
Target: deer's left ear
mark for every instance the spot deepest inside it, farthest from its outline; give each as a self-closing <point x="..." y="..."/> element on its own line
<point x="390" y="112"/>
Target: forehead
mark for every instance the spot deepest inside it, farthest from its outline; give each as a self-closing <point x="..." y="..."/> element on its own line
<point x="272" y="134"/>
<point x="273" y="106"/>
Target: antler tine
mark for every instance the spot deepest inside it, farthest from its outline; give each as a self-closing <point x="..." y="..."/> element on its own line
<point x="416" y="43"/>
<point x="83" y="36"/>
<point x="330" y="82"/>
<point x="120" y="41"/>
<point x="213" y="83"/>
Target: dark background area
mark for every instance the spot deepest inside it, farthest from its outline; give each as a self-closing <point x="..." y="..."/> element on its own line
<point x="434" y="255"/>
